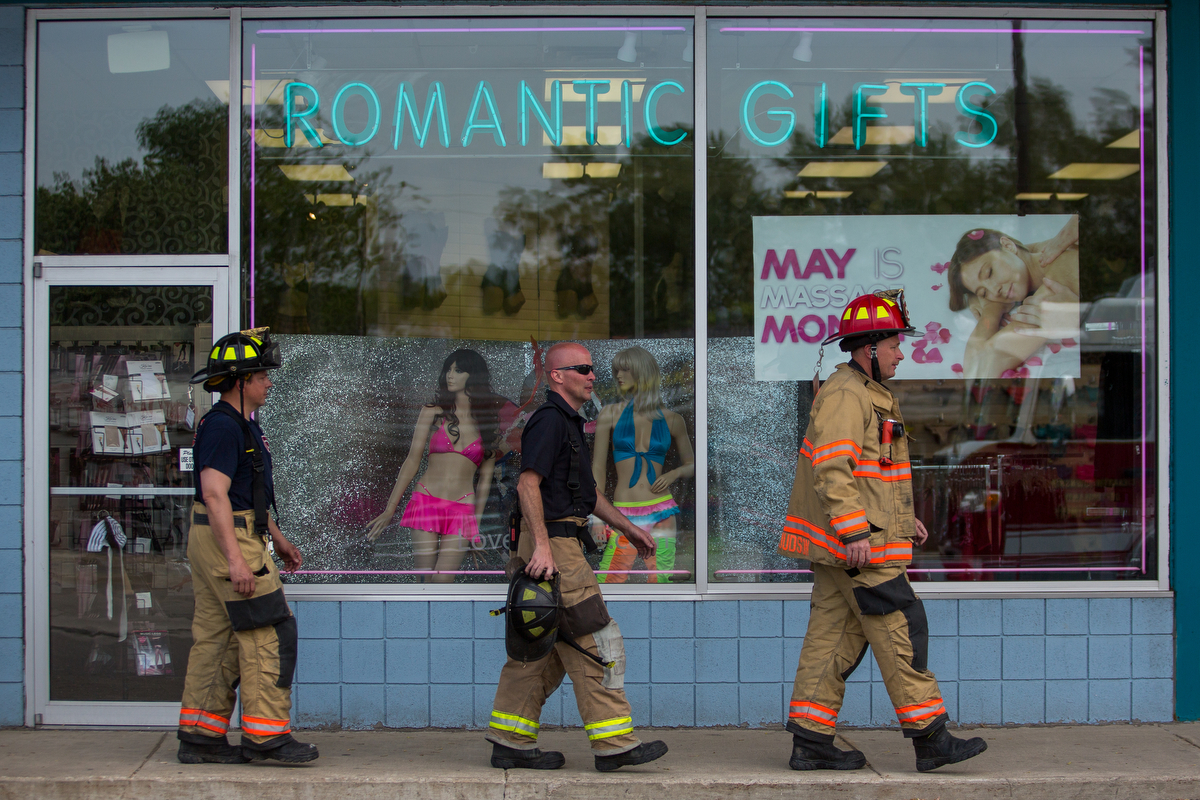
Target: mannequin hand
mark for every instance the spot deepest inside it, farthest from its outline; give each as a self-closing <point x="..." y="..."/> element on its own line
<point x="664" y="482"/>
<point x="922" y="534"/>
<point x="541" y="563"/>
<point x="241" y="577"/>
<point x="599" y="532"/>
<point x="858" y="553"/>
<point x="376" y="526"/>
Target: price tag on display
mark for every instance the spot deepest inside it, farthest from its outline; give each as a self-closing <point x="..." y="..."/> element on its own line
<point x="185" y="459"/>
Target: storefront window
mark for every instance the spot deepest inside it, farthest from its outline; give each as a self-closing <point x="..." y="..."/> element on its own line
<point x="848" y="156"/>
<point x="428" y="198"/>
<point x="132" y="137"/>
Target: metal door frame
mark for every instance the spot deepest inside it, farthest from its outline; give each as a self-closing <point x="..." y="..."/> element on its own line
<point x="40" y="710"/>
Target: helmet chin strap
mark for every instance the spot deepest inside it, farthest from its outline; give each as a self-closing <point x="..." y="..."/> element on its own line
<point x="875" y="365"/>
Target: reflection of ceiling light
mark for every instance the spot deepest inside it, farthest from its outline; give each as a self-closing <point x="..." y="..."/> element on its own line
<point x="803" y="51"/>
<point x="577" y="135"/>
<point x="265" y="92"/>
<point x="1095" y="172"/>
<point x="841" y="169"/>
<point x="311" y="215"/>
<point x="800" y="194"/>
<point x="893" y="94"/>
<point x="628" y="51"/>
<point x="1130" y="141"/>
<point x="602" y="169"/>
<point x="688" y="54"/>
<point x="273" y="137"/>
<point x="1051" y="195"/>
<point x="610" y="95"/>
<point x="138" y="51"/>
<point x="561" y="171"/>
<point x="341" y="199"/>
<point x="315" y="172"/>
<point x="878" y="134"/>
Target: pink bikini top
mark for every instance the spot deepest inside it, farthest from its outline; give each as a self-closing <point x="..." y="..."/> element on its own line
<point x="440" y="443"/>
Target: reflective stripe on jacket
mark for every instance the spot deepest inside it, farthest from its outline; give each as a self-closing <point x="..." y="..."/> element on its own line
<point x="842" y="489"/>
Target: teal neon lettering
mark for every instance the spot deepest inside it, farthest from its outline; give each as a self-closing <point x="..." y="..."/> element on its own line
<point x="650" y="109"/>
<point x="291" y="117"/>
<point x="920" y="111"/>
<point x="786" y="117"/>
<point x="483" y="93"/>
<point x="986" y="120"/>
<point x="820" y="110"/>
<point x="435" y="101"/>
<point x="863" y="112"/>
<point x="553" y="128"/>
<point x="627" y="111"/>
<point x="589" y="92"/>
<point x="339" y="114"/>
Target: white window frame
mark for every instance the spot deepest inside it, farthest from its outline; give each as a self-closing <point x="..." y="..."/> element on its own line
<point x="114" y="269"/>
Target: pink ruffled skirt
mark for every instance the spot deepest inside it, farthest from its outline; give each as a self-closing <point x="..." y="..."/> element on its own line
<point x="444" y="517"/>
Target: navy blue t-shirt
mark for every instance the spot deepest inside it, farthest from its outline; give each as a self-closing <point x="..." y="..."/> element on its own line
<point x="220" y="444"/>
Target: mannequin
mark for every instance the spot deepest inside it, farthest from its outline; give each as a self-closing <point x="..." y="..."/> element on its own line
<point x="641" y="431"/>
<point x="445" y="509"/>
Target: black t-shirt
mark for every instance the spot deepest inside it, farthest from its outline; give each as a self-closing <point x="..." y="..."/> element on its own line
<point x="546" y="449"/>
<point x="220" y="444"/>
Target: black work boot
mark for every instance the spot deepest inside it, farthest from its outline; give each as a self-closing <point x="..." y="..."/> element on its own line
<point x="939" y="748"/>
<point x="214" y="750"/>
<point x="644" y="753"/>
<point x="807" y="754"/>
<point x="512" y="758"/>
<point x="280" y="748"/>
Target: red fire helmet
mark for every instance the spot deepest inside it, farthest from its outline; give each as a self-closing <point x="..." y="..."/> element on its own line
<point x="881" y="312"/>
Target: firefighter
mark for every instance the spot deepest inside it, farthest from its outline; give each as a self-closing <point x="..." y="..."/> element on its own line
<point x="851" y="516"/>
<point x="243" y="631"/>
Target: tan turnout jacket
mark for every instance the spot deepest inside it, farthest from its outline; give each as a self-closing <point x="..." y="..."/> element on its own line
<point x="842" y="491"/>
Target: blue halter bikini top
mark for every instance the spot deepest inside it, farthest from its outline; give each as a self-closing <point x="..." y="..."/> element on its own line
<point x="624" y="447"/>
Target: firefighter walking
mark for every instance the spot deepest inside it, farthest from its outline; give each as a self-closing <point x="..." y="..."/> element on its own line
<point x="244" y="633"/>
<point x="851" y="515"/>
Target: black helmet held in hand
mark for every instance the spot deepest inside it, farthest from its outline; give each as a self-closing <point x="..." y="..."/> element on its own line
<point x="532" y="610"/>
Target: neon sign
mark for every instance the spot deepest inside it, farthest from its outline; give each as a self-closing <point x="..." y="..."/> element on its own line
<point x="786" y="117"/>
<point x="483" y="118"/>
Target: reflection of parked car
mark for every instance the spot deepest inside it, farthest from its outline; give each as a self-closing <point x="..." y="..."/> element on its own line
<point x="1116" y="323"/>
<point x="1010" y="510"/>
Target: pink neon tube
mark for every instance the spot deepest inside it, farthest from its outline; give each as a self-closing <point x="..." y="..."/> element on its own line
<point x="931" y="570"/>
<point x="469" y="29"/>
<point x="471" y="572"/>
<point x="253" y="161"/>
<point x="1142" y="188"/>
<point x="924" y="30"/>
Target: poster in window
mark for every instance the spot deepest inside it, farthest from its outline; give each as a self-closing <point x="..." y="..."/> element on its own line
<point x="990" y="296"/>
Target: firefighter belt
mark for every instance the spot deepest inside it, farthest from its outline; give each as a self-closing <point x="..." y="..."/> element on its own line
<point x="852" y="610"/>
<point x="599" y="691"/>
<point x="239" y="644"/>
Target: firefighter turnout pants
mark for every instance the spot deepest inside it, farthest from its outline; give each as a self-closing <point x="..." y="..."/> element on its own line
<point x="599" y="692"/>
<point x="239" y="644"/>
<point x="851" y="610"/>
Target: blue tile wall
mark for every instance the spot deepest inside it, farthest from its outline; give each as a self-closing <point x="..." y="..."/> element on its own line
<point x="419" y="664"/>
<point x="12" y="122"/>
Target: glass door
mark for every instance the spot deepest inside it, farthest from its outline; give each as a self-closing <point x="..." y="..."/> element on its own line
<point x="115" y="417"/>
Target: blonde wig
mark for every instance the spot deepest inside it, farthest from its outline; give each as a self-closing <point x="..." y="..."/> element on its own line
<point x="647" y="380"/>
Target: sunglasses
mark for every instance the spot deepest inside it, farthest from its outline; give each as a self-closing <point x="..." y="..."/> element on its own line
<point x="582" y="369"/>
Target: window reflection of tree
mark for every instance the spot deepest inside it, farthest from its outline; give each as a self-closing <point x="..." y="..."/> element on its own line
<point x="172" y="202"/>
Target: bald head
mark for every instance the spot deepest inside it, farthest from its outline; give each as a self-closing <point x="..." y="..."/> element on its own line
<point x="574" y="387"/>
<point x="566" y="354"/>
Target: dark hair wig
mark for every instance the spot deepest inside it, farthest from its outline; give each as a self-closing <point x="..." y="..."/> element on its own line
<point x="485" y="403"/>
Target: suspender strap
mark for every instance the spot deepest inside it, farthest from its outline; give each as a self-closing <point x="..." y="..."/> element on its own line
<point x="258" y="479"/>
<point x="573" y="472"/>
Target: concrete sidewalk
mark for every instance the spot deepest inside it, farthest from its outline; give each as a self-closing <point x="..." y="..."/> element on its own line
<point x="1134" y="762"/>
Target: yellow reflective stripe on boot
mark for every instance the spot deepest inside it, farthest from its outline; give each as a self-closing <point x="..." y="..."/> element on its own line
<point x="515" y="724"/>
<point x="609" y="728"/>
